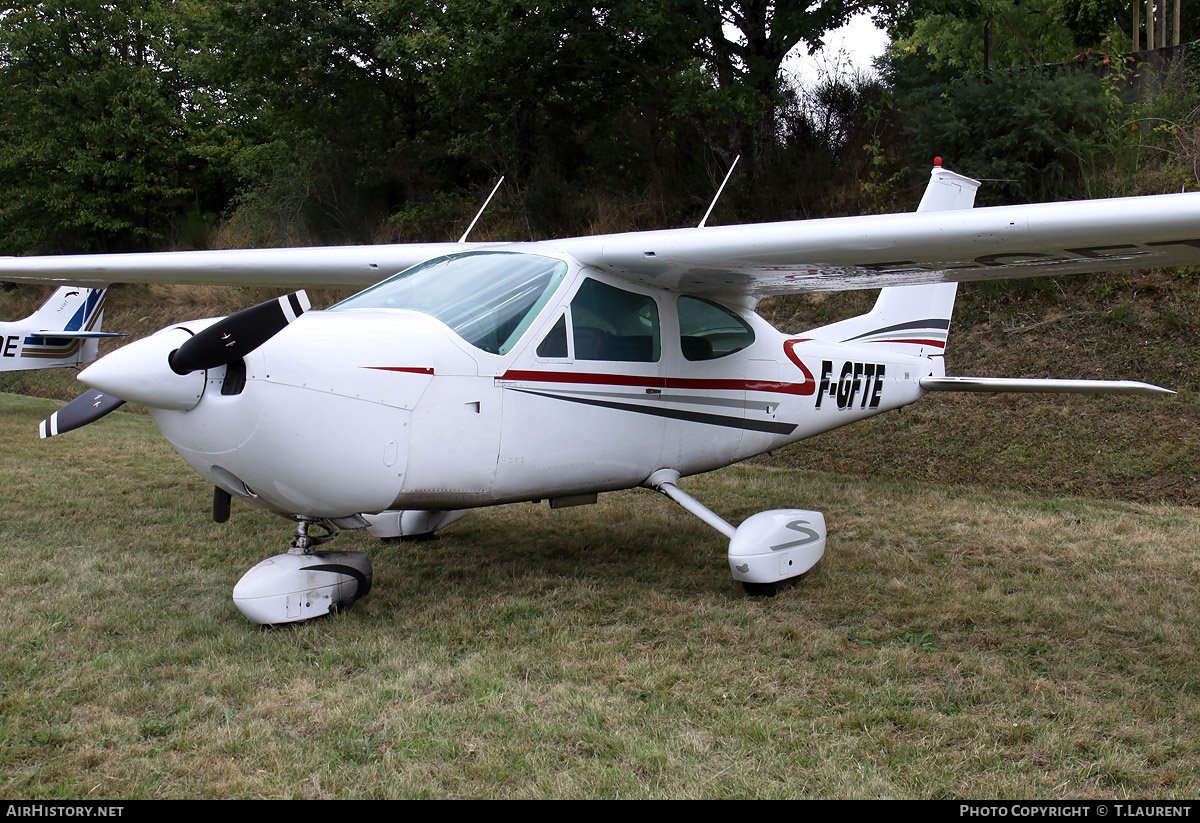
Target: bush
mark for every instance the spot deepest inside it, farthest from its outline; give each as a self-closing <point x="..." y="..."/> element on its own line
<point x="1033" y="134"/>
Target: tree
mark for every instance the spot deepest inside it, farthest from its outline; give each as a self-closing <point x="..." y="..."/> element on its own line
<point x="557" y="97"/>
<point x="742" y="44"/>
<point x="956" y="34"/>
<point x="314" y="121"/>
<point x="1034" y="134"/>
<point x="308" y="109"/>
<point x="339" y="111"/>
<point x="92" y="120"/>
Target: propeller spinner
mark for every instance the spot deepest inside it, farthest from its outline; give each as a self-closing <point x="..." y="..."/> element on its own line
<point x="165" y="370"/>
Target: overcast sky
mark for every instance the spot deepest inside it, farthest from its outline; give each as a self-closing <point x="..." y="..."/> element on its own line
<point x="854" y="45"/>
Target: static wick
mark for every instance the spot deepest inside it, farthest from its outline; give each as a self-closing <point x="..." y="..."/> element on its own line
<point x="721" y="189"/>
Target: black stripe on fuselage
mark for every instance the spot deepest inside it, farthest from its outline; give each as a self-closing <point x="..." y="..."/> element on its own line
<point x="767" y="426"/>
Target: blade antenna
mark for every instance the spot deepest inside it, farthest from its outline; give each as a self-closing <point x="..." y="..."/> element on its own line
<point x="711" y="205"/>
<point x="463" y="239"/>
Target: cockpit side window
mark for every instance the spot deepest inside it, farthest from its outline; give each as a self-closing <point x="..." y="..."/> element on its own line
<point x="708" y="331"/>
<point x="554" y="344"/>
<point x="613" y="324"/>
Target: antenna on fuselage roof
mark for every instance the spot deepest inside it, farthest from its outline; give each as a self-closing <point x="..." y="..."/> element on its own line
<point x="479" y="214"/>
<point x="721" y="189"/>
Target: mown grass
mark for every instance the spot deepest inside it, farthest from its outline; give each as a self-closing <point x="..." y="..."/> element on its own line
<point x="956" y="641"/>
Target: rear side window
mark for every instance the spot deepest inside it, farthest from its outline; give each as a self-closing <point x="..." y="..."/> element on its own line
<point x="708" y="330"/>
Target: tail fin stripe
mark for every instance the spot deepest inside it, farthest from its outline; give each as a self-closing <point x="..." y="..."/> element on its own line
<point x="931" y="325"/>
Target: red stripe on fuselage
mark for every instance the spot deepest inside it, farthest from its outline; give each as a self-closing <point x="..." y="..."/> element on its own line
<point x="405" y="369"/>
<point x="805" y="388"/>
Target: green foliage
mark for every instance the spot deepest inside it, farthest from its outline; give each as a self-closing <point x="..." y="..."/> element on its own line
<point x="552" y="96"/>
<point x="1152" y="143"/>
<point x="883" y="178"/>
<point x="1033" y="133"/>
<point x="1089" y="21"/>
<point x="306" y="107"/>
<point x="949" y="34"/>
<point x="1102" y="125"/>
<point x="147" y="124"/>
<point x="742" y="45"/>
<point x="91" y="112"/>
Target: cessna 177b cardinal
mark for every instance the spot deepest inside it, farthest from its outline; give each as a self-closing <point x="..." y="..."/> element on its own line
<point x="474" y="374"/>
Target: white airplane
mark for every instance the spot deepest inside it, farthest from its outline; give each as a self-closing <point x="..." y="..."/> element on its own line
<point x="64" y="331"/>
<point x="475" y="374"/>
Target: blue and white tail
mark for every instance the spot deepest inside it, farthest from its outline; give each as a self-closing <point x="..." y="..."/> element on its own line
<point x="911" y="319"/>
<point x="64" y="331"/>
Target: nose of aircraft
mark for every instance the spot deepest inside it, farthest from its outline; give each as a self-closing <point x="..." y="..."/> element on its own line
<point x="166" y="370"/>
<point x="140" y="372"/>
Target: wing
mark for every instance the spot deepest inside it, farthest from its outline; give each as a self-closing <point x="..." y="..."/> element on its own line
<point x="834" y="254"/>
<point x="906" y="249"/>
<point x="326" y="267"/>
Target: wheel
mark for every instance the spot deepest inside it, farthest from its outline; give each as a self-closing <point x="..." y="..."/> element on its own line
<point x="771" y="589"/>
<point x="427" y="537"/>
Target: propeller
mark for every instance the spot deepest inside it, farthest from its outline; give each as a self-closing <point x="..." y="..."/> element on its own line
<point x="137" y="372"/>
<point x="238" y="334"/>
<point x="86" y="408"/>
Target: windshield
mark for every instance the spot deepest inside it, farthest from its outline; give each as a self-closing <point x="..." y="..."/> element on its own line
<point x="487" y="298"/>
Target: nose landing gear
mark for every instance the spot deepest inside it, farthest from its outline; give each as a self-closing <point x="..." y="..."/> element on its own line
<point x="302" y="584"/>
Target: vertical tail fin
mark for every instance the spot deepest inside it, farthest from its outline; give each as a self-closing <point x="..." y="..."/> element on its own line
<point x="911" y="319"/>
<point x="64" y="331"/>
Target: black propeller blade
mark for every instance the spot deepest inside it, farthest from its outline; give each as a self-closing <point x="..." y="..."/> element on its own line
<point x="84" y="409"/>
<point x="231" y="339"/>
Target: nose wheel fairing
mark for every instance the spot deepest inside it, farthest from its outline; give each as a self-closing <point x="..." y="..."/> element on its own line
<point x="297" y="586"/>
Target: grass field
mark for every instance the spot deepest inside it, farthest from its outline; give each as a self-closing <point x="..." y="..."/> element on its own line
<point x="956" y="641"/>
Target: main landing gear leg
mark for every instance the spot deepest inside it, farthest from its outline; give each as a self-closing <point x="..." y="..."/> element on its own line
<point x="303" y="583"/>
<point x="770" y="551"/>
